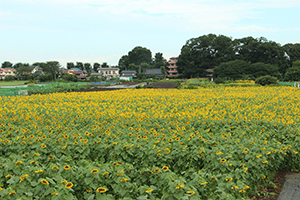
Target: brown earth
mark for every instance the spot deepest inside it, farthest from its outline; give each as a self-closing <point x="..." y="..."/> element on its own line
<point x="266" y="193"/>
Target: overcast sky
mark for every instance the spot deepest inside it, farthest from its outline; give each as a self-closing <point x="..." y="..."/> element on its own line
<point x="104" y="30"/>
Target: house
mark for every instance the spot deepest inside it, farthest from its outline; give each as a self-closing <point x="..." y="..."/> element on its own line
<point x="36" y="70"/>
<point x="3" y="73"/>
<point x="156" y="72"/>
<point x="110" y="72"/>
<point x="172" y="67"/>
<point x="128" y="74"/>
<point x="11" y="71"/>
<point x="78" y="72"/>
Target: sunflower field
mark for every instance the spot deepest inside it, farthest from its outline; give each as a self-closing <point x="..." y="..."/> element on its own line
<point x="208" y="143"/>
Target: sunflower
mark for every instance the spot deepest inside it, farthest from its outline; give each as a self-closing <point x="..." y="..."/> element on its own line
<point x="50" y="157"/>
<point x="147" y="191"/>
<point x="66" y="167"/>
<point x="101" y="190"/>
<point x="190" y="192"/>
<point x="69" y="185"/>
<point x="54" y="167"/>
<point x="105" y="173"/>
<point x="124" y="180"/>
<point x="8" y="176"/>
<point x="165" y="168"/>
<point x="64" y="182"/>
<point x="44" y="182"/>
<point x="156" y="170"/>
<point x="94" y="171"/>
<point x="223" y="160"/>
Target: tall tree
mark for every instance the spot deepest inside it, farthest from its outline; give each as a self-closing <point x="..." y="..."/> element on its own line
<point x="23" y="70"/>
<point x="79" y="65"/>
<point x="96" y="66"/>
<point x="159" y="60"/>
<point x="124" y="62"/>
<point x="52" y="68"/>
<point x="204" y="52"/>
<point x="88" y="68"/>
<point x="293" y="73"/>
<point x="261" y="50"/>
<point x="140" y="55"/>
<point x="292" y="52"/>
<point x="104" y="65"/>
<point x="7" y="64"/>
<point x="70" y="65"/>
<point x="18" y="65"/>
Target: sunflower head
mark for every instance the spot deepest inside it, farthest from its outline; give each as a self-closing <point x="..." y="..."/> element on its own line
<point x="101" y="190"/>
<point x="69" y="185"/>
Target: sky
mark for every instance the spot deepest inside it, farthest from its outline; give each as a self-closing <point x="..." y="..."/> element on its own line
<point x="105" y="30"/>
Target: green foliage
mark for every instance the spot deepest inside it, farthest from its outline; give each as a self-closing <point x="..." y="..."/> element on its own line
<point x="9" y="78"/>
<point x="219" y="80"/>
<point x="139" y="55"/>
<point x="199" y="54"/>
<point x="266" y="80"/>
<point x="45" y="77"/>
<point x="178" y="84"/>
<point x="293" y="73"/>
<point x="7" y="64"/>
<point x="70" y="77"/>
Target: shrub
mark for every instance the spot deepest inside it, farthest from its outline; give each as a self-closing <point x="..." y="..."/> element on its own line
<point x="266" y="80"/>
<point x="9" y="78"/>
<point x="219" y="80"/>
<point x="178" y="84"/>
<point x="45" y="77"/>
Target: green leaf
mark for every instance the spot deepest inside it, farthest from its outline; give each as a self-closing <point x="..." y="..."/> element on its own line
<point x="91" y="197"/>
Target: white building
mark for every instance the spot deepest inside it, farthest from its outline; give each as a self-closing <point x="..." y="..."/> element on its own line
<point x="109" y="72"/>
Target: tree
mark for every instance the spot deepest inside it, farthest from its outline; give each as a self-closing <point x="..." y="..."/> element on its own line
<point x="7" y="64"/>
<point x="159" y="60"/>
<point x="22" y="70"/>
<point x="88" y="67"/>
<point x="261" y="50"/>
<point x="124" y="62"/>
<point x="18" y="65"/>
<point x="140" y="55"/>
<point x="52" y="68"/>
<point x="96" y="66"/>
<point x="104" y="65"/>
<point x="204" y="52"/>
<point x="261" y="69"/>
<point x="293" y="73"/>
<point x="79" y="65"/>
<point x="70" y="65"/>
<point x="163" y="71"/>
<point x="231" y="70"/>
<point x="40" y="64"/>
<point x="293" y="52"/>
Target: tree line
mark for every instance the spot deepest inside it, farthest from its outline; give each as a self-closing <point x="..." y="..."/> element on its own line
<point x="245" y="58"/>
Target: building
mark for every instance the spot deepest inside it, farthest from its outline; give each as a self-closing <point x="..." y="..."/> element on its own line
<point x="128" y="74"/>
<point x="36" y="70"/>
<point x="172" y="67"/>
<point x="7" y="71"/>
<point x="110" y="72"/>
<point x="156" y="72"/>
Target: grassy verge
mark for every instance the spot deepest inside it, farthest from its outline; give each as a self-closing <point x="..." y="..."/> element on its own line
<point x="11" y="83"/>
